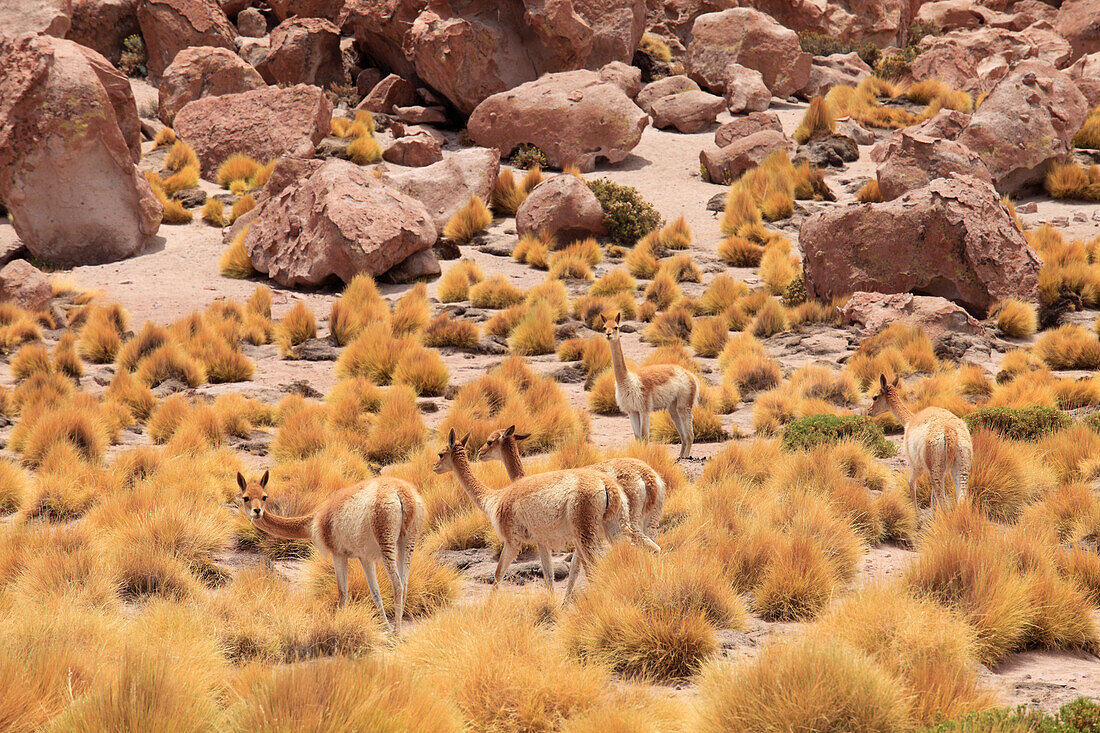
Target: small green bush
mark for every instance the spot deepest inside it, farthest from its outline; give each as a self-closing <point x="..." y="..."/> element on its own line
<point x="1027" y="423"/>
<point x="1093" y="421"/>
<point x="627" y="215"/>
<point x="822" y="45"/>
<point x="896" y="65"/>
<point x="133" y="58"/>
<point x="795" y="294"/>
<point x="808" y="432"/>
<point x="1080" y="716"/>
<point x="528" y="155"/>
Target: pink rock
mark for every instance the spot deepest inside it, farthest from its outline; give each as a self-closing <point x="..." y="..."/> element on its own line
<point x="338" y="222"/>
<point x="968" y="60"/>
<point x="627" y="78"/>
<point x="1027" y="121"/>
<point x="265" y="124"/>
<point x="1053" y="49"/>
<point x="872" y="312"/>
<point x="121" y="97"/>
<point x="67" y="175"/>
<point x="949" y="15"/>
<point x="688" y="112"/>
<point x="25" y="285"/>
<point x="746" y="90"/>
<point x="419" y="115"/>
<point x="1085" y="73"/>
<point x="203" y="72"/>
<point x="422" y="265"/>
<point x="911" y="160"/>
<point x="50" y="17"/>
<point x="169" y="26"/>
<point x="617" y="26"/>
<point x="725" y="165"/>
<point x="447" y="186"/>
<point x="839" y="69"/>
<point x="563" y="206"/>
<point x="414" y="151"/>
<point x="252" y="23"/>
<point x="327" y="9"/>
<point x="366" y="80"/>
<point x="1078" y="22"/>
<point x="102" y="25"/>
<point x="661" y="88"/>
<point x="740" y="127"/>
<point x="752" y="39"/>
<point x="393" y="91"/>
<point x="574" y="117"/>
<point x="303" y="51"/>
<point x="847" y="127"/>
<point x="953" y="239"/>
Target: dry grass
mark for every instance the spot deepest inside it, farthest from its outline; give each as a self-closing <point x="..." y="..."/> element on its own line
<point x="180" y="156"/>
<point x="236" y="167"/>
<point x="870" y="193"/>
<point x="100" y="338"/>
<point x="170" y="362"/>
<point x="1015" y="318"/>
<point x="165" y="136"/>
<point x="235" y="261"/>
<point x="186" y="177"/>
<point x="373" y="355"/>
<point x="455" y="284"/>
<point x="213" y="213"/>
<point x="495" y="292"/>
<point x="423" y="370"/>
<point x="739" y="252"/>
<point x="471" y="219"/>
<point x="432" y="587"/>
<point x="1089" y="134"/>
<point x="1069" y="347"/>
<point x="1073" y="181"/>
<point x="241" y="206"/>
<point x="534" y="334"/>
<point x="709" y="335"/>
<point x="364" y="150"/>
<point x="819" y="120"/>
<point x="641" y="261"/>
<point x="533" y="250"/>
<point x="299" y="324"/>
<point x="447" y="331"/>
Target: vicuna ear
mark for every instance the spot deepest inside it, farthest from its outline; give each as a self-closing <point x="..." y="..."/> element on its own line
<point x="451" y="438"/>
<point x="882" y="381"/>
<point x="465" y="439"/>
<point x="897" y="379"/>
<point x="511" y="429"/>
<point x="522" y="436"/>
<point x="263" y="480"/>
<point x="240" y="481"/>
<point x="618" y="318"/>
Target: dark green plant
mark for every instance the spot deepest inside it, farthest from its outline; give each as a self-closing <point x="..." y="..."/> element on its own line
<point x="1080" y="716"/>
<point x="896" y="65"/>
<point x="822" y="45"/>
<point x="1027" y="423"/>
<point x="795" y="294"/>
<point x="1093" y="421"/>
<point x="918" y="30"/>
<point x="809" y="432"/>
<point x="528" y="155"/>
<point x="627" y="216"/>
<point x="133" y="58"/>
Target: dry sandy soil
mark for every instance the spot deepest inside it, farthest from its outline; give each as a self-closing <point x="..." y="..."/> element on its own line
<point x="179" y="274"/>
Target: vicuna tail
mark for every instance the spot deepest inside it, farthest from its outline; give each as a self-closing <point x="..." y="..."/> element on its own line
<point x="616" y="510"/>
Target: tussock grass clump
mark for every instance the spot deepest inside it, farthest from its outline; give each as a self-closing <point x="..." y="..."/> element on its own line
<point x="709" y="335"/>
<point x="364" y="150"/>
<point x="399" y="428"/>
<point x="180" y="156"/>
<point x="65" y="359"/>
<point x="614" y="282"/>
<point x="778" y="269"/>
<point x="186" y="177"/>
<point x="30" y="360"/>
<point x="533" y="250"/>
<point x="299" y="324"/>
<point x="455" y="284"/>
<point x="411" y="312"/>
<point x="423" y="370"/>
<point x="641" y="261"/>
<point x="797" y="583"/>
<point x="534" y="334"/>
<point x="1089" y="134"/>
<point x="213" y="213"/>
<point x="870" y="193"/>
<point x="769" y="320"/>
<point x="373" y="355"/>
<point x="170" y="362"/>
<point x="508" y="193"/>
<point x="14" y="486"/>
<point x="137" y="397"/>
<point x="673" y="327"/>
<point x="149" y="338"/>
<point x="445" y="330"/>
<point x="1069" y="347"/>
<point x="812" y="683"/>
<point x="67" y="424"/>
<point x="494" y="292"/>
<point x="651" y="630"/>
<point x="236" y="167"/>
<point x="1005" y="476"/>
<point x="1015" y="318"/>
<point x="818" y="120"/>
<point x="1073" y="181"/>
<point x="165" y="136"/>
<point x="241" y="206"/>
<point x="739" y="252"/>
<point x="235" y="261"/>
<point x="101" y="336"/>
<point x="468" y="221"/>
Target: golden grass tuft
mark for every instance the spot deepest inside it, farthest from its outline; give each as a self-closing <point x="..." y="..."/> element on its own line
<point x="739" y="252"/>
<point x="373" y="355"/>
<point x="1089" y="134"/>
<point x="432" y="586"/>
<point x="533" y="250"/>
<point x="1071" y="180"/>
<point x="534" y="334"/>
<point x="67" y="424"/>
<point x="235" y="262"/>
<point x="170" y="362"/>
<point x="447" y="331"/>
<point x="241" y="206"/>
<point x="455" y="284"/>
<point x="236" y="167"/>
<point x="1016" y="318"/>
<point x="495" y="292"/>
<point x="186" y="177"/>
<point x="180" y="156"/>
<point x="870" y="193"/>
<point x="423" y="370"/>
<point x="299" y="324"/>
<point x="213" y="213"/>
<point x="709" y="335"/>
<point x="1069" y="347"/>
<point x="468" y="221"/>
<point x="164" y="136"/>
<point x="364" y="150"/>
<point x="818" y="120"/>
<point x="30" y="360"/>
<point x="100" y="338"/>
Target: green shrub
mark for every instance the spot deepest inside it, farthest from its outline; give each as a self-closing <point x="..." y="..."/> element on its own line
<point x="1093" y="421"/>
<point x="822" y="45"/>
<point x="132" y="60"/>
<point x="528" y="155"/>
<point x="795" y="294"/>
<point x="1027" y="423"/>
<point x="627" y="215"/>
<point x="808" y="432"/>
<point x="896" y="65"/>
<point x="1080" y="716"/>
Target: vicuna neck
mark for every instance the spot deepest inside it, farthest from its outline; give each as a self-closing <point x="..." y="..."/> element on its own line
<point x="289" y="528"/>
<point x="477" y="490"/>
<point x="899" y="408"/>
<point x="618" y="363"/>
<point x="512" y="463"/>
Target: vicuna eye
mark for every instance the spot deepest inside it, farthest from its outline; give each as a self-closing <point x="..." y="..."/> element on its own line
<point x="263" y="498"/>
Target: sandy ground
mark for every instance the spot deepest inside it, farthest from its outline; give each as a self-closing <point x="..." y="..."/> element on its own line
<point x="178" y="274"/>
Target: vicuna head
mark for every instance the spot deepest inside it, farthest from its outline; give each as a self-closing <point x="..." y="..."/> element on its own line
<point x="497" y="442"/>
<point x="253" y="495"/>
<point x="881" y="403"/>
<point x="611" y="327"/>
<point x="447" y="455"/>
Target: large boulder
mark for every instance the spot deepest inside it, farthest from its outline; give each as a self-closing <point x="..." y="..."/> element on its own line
<point x="574" y="117"/>
<point x="468" y="51"/>
<point x="50" y="17"/>
<point x="563" y="206"/>
<point x="726" y="164"/>
<point x="327" y="9"/>
<point x="661" y="88"/>
<point x="911" y="160"/>
<point x="121" y="97"/>
<point x="972" y="60"/>
<point x="740" y="127"/>
<point x="688" y="112"/>
<point x="169" y="26"/>
<point x="1027" y="121"/>
<point x="838" y="69"/>
<point x="390" y="92"/>
<point x="750" y="38"/>
<point x="446" y="186"/>
<point x="746" y="90"/>
<point x="1078" y="22"/>
<point x="67" y="174"/>
<point x="1085" y="73"/>
<point x="953" y="239"/>
<point x="338" y="222"/>
<point x="203" y="72"/>
<point x="103" y="25"/>
<point x="303" y="51"/>
<point x="414" y="151"/>
<point x="25" y="285"/>
<point x="264" y="124"/>
<point x="871" y="312"/>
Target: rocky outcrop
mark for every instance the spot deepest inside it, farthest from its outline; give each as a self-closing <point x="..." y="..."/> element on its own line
<point x="1027" y="121"/>
<point x="447" y="186"/>
<point x="265" y="124"/>
<point x="563" y="206"/>
<point x="414" y="151"/>
<point x="303" y="51"/>
<point x="251" y="23"/>
<point x="574" y="117"/>
<point x="746" y="90"/>
<point x="726" y="164"/>
<point x="121" y="97"/>
<point x="67" y="175"/>
<point x="25" y="285"/>
<point x="754" y="40"/>
<point x="169" y="26"/>
<point x="203" y="72"/>
<point x="688" y="112"/>
<point x="910" y="160"/>
<point x="471" y="50"/>
<point x="338" y="222"/>
<point x="390" y="92"/>
<point x="952" y="239"/>
<point x="49" y="17"/>
<point x="661" y="88"/>
<point x="1078" y="22"/>
<point x="1085" y="73"/>
<point x="975" y="60"/>
<point x="102" y="25"/>
<point x="740" y="127"/>
<point x="871" y="312"/>
<point x="839" y="69"/>
<point x="327" y="9"/>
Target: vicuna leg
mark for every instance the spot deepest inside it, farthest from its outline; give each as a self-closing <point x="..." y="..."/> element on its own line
<point x="340" y="565"/>
<point x="375" y="594"/>
<point x="636" y="424"/>
<point x="687" y="430"/>
<point x="574" y="571"/>
<point x="547" y="567"/>
<point x="913" y="477"/>
<point x="507" y="555"/>
<point x="645" y="425"/>
<point x="389" y="562"/>
<point x="583" y="559"/>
